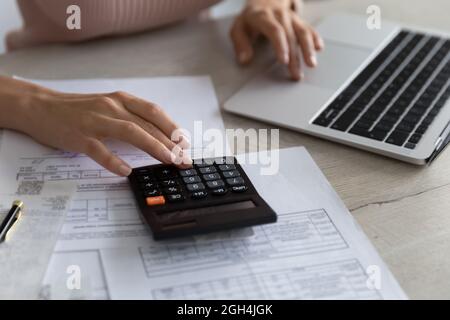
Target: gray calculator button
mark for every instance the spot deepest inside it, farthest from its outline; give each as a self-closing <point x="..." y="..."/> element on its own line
<point x="207" y="170"/>
<point x="215" y="184"/>
<point x="205" y="162"/>
<point x="211" y="176"/>
<point x="193" y="179"/>
<point x="235" y="181"/>
<point x="227" y="167"/>
<point x="231" y="174"/>
<point x="192" y="187"/>
<point x="224" y="160"/>
<point x="188" y="172"/>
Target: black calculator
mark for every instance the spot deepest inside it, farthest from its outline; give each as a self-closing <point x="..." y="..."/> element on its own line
<point x="215" y="194"/>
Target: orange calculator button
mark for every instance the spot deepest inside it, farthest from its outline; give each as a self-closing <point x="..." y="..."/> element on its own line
<point x="155" y="201"/>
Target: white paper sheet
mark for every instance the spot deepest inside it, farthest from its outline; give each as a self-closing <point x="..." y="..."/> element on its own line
<point x="315" y="251"/>
<point x="24" y="256"/>
<point x="103" y="213"/>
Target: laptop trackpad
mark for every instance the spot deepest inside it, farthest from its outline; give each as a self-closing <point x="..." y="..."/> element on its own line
<point x="336" y="63"/>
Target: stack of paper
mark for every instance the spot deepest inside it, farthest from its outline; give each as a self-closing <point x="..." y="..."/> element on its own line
<point x="314" y="251"/>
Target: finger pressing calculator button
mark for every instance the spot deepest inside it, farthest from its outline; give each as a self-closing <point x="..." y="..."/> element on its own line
<point x="199" y="194"/>
<point x="211" y="176"/>
<point x="188" y="172"/>
<point x="193" y="179"/>
<point x="155" y="201"/>
<point x="169" y="183"/>
<point x="239" y="188"/>
<point x="172" y="190"/>
<point x="148" y="185"/>
<point x="227" y="167"/>
<point x="152" y="193"/>
<point x="145" y="178"/>
<point x="166" y="173"/>
<point x="231" y="174"/>
<point x="235" y="181"/>
<point x="206" y="170"/>
<point x="195" y="187"/>
<point x="219" y="191"/>
<point x="215" y="184"/>
<point x="175" y="197"/>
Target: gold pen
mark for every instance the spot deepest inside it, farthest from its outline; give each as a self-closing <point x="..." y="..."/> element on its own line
<point x="10" y="219"/>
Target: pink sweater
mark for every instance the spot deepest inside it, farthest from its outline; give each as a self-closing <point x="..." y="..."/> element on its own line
<point x="45" y="20"/>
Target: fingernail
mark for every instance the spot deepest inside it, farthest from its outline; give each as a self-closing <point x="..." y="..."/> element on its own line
<point x="313" y="60"/>
<point x="321" y="43"/>
<point x="124" y="170"/>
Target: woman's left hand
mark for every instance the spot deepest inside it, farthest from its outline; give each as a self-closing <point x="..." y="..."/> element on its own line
<point x="279" y="22"/>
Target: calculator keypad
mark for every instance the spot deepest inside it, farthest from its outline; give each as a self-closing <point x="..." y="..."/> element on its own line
<point x="214" y="194"/>
<point x="208" y="177"/>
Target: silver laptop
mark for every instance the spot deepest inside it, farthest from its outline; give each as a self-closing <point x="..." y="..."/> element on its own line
<point x="385" y="90"/>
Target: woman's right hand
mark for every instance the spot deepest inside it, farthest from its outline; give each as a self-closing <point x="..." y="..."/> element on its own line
<point x="82" y="122"/>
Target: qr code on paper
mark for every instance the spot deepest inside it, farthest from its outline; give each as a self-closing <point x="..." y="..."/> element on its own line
<point x="30" y="188"/>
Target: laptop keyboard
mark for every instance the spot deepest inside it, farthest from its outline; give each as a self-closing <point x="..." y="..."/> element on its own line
<point x="398" y="95"/>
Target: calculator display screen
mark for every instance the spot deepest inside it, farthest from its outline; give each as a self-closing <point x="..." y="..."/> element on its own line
<point x="248" y="204"/>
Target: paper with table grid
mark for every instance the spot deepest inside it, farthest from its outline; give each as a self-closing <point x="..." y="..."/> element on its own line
<point x="315" y="250"/>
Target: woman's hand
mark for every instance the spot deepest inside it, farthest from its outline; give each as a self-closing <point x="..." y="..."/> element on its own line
<point x="80" y="123"/>
<point x="279" y="22"/>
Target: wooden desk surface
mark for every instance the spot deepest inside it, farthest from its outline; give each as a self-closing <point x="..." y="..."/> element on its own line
<point x="404" y="209"/>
